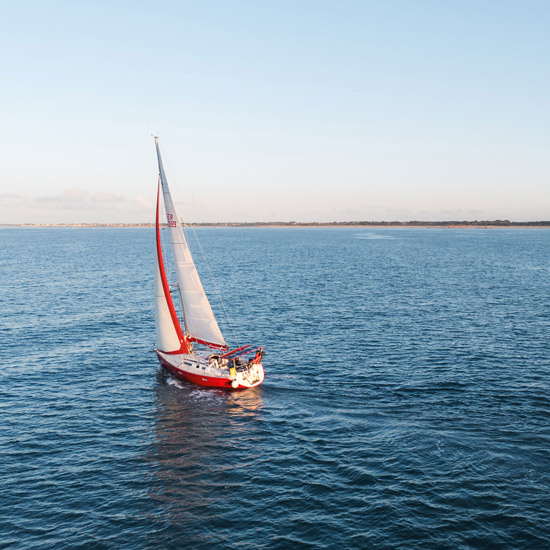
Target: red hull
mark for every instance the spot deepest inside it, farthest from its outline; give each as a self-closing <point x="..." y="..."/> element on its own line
<point x="199" y="380"/>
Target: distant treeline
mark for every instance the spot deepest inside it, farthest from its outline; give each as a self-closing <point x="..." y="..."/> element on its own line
<point x="415" y="223"/>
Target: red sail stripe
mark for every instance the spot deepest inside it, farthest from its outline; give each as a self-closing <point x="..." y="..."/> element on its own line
<point x="183" y="348"/>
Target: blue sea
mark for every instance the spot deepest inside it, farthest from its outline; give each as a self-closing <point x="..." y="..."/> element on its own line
<point x="406" y="404"/>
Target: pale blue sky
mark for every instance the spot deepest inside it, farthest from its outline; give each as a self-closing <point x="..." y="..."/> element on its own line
<point x="276" y="110"/>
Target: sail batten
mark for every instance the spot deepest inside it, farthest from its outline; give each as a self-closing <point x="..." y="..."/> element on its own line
<point x="200" y="323"/>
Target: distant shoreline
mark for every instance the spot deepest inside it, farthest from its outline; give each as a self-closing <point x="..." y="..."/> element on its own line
<point x="492" y="224"/>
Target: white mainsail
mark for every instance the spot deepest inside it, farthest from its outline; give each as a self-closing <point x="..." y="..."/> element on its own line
<point x="167" y="337"/>
<point x="200" y="323"/>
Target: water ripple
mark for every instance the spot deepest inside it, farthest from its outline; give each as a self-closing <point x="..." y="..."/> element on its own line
<point x="405" y="405"/>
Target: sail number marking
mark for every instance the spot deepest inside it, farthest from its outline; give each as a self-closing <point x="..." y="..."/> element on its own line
<point x="171" y="221"/>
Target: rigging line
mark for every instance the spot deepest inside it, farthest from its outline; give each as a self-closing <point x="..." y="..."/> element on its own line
<point x="216" y="287"/>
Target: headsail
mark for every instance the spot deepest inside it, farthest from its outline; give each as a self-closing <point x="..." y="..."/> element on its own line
<point x="200" y="323"/>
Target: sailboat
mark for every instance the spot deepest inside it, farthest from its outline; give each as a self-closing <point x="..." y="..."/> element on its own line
<point x="195" y="351"/>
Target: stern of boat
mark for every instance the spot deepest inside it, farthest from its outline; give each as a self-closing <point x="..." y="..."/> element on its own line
<point x="249" y="377"/>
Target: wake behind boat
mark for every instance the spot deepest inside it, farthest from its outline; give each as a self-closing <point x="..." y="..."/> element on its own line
<point x="212" y="364"/>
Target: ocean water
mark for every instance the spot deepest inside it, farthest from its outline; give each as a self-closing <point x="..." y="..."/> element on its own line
<point x="406" y="403"/>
